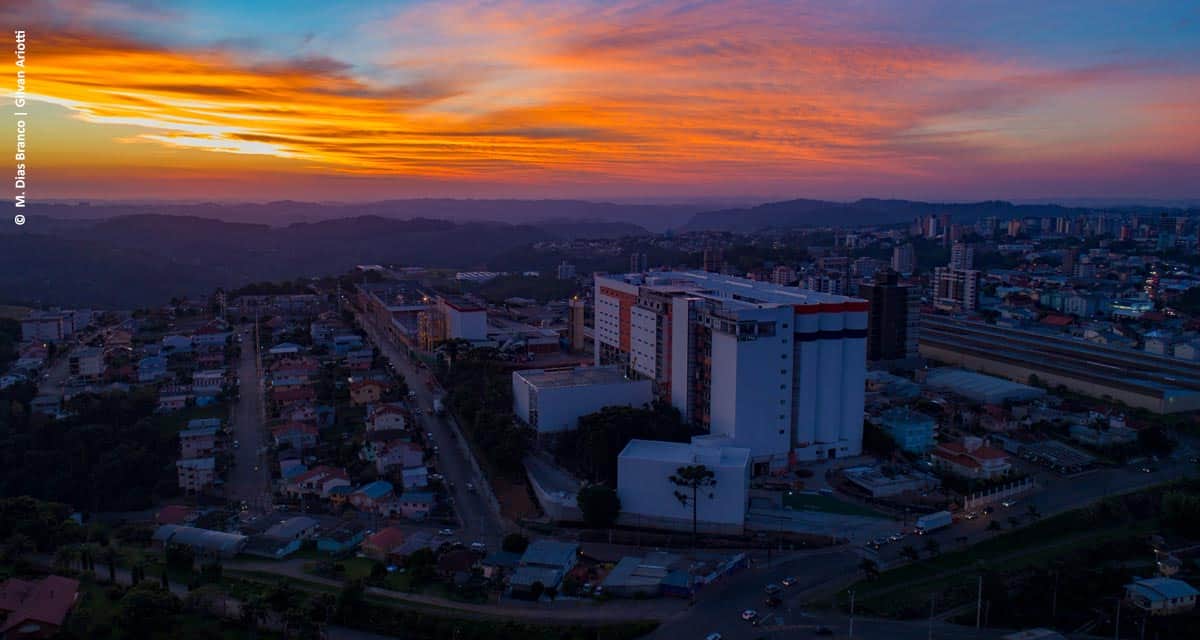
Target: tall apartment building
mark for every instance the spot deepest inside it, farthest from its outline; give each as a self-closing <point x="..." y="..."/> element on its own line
<point x="955" y="289"/>
<point x="638" y="262"/>
<point x="894" y="317"/>
<point x="714" y="259"/>
<point x="962" y="256"/>
<point x="773" y="369"/>
<point x="904" y="258"/>
<point x="576" y="310"/>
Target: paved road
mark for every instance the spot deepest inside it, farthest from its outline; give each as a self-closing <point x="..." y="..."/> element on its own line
<point x="243" y="482"/>
<point x="1057" y="495"/>
<point x="480" y="522"/>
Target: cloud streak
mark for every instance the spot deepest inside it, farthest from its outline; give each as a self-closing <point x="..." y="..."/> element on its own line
<point x="669" y="93"/>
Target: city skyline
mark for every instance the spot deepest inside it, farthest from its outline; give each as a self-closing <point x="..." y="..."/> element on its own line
<point x="187" y="100"/>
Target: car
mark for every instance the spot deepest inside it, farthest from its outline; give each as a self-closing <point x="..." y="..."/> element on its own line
<point x="256" y="467"/>
<point x="971" y="515"/>
<point x="445" y="532"/>
<point x="749" y="615"/>
<point x="1147" y="469"/>
<point x="896" y="537"/>
<point x="823" y="631"/>
<point x="429" y="435"/>
<point x="790" y="581"/>
<point x="1008" y="503"/>
<point x="599" y="590"/>
<point x="478" y="547"/>
<point x="772" y="589"/>
<point x="879" y="542"/>
<point x="773" y="601"/>
<point x="713" y="636"/>
<point x="471" y="487"/>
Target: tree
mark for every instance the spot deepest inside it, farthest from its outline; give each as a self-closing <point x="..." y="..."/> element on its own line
<point x="870" y="568"/>
<point x="1033" y="512"/>
<point x="932" y="547"/>
<point x="692" y="478"/>
<point x="599" y="505"/>
<point x="515" y="543"/>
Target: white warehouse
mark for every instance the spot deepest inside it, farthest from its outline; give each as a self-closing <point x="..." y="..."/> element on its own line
<point x="553" y="400"/>
<point x="648" y="497"/>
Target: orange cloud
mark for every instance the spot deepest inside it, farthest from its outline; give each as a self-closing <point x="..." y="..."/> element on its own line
<point x="512" y="92"/>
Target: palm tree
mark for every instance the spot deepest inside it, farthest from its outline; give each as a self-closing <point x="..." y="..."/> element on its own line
<point x="694" y="478"/>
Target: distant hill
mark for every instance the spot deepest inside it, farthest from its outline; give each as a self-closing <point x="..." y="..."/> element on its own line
<point x="797" y="213"/>
<point x="141" y="259"/>
<point x="653" y="217"/>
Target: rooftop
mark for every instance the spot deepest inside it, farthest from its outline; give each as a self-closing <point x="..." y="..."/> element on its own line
<point x="686" y="453"/>
<point x="550" y="553"/>
<point x="575" y="377"/>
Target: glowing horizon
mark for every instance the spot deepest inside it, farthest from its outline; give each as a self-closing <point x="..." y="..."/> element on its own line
<point x="580" y="99"/>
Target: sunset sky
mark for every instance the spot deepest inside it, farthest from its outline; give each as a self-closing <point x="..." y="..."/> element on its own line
<point x="617" y="100"/>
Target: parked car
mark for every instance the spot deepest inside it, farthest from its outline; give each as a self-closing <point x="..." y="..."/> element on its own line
<point x="772" y="589"/>
<point x="749" y="615"/>
<point x="790" y="581"/>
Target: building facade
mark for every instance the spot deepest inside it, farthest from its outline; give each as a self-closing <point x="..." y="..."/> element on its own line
<point x="893" y="320"/>
<point x="776" y="370"/>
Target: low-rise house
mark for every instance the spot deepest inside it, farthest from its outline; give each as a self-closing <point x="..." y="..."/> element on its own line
<point x="204" y="543"/>
<point x="374" y="497"/>
<point x="318" y="482"/>
<point x="36" y="608"/>
<point x="200" y="442"/>
<point x="365" y="392"/>
<point x="208" y="382"/>
<point x="499" y="564"/>
<point x="294" y="528"/>
<point x="176" y="344"/>
<point x="151" y="369"/>
<point x="415" y="477"/>
<point x="1162" y="596"/>
<point x="86" y="363"/>
<point x="286" y="349"/>
<point x="297" y="435"/>
<point x="416" y="505"/>
<point x="385" y="417"/>
<point x="544" y="561"/>
<point x="971" y="458"/>
<point x="168" y="402"/>
<point x="215" y="333"/>
<point x="288" y="397"/>
<point x="380" y="545"/>
<point x="359" y="359"/>
<point x="343" y="538"/>
<point x="395" y="454"/>
<point x="196" y="474"/>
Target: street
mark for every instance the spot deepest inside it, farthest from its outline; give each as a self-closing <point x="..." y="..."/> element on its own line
<point x="244" y="482"/>
<point x="480" y="522"/>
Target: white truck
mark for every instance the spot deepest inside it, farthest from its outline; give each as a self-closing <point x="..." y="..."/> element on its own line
<point x="933" y="521"/>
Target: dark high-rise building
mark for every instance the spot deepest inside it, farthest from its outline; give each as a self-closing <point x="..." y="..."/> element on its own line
<point x="893" y="318"/>
<point x="638" y="263"/>
<point x="714" y="259"/>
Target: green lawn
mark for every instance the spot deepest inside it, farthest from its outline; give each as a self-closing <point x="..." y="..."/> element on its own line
<point x="952" y="574"/>
<point x="826" y="504"/>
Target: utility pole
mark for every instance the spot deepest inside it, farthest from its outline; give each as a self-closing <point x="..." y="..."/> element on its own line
<point x="851" y="634"/>
<point x="979" y="603"/>
<point x="1117" y="626"/>
<point x="931" y="616"/>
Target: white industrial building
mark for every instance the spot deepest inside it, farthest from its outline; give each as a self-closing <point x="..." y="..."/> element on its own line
<point x="463" y="319"/>
<point x="648" y="496"/>
<point x="777" y="370"/>
<point x="553" y="400"/>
